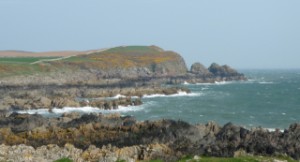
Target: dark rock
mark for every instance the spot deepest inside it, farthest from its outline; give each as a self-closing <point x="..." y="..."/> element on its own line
<point x="22" y="122"/>
<point x="84" y="119"/>
<point x="124" y="131"/>
<point x="222" y="71"/>
<point x="128" y="121"/>
<point x="137" y="102"/>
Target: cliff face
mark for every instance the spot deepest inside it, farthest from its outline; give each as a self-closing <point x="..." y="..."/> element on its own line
<point x="117" y="63"/>
<point x="130" y="62"/>
<point x="124" y="65"/>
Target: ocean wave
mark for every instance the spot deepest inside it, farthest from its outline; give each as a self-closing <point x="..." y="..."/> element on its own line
<point x="221" y="83"/>
<point x="224" y="82"/>
<point x="204" y="88"/>
<point x="186" y="83"/>
<point x="273" y="129"/>
<point x="118" y="96"/>
<point x="252" y="127"/>
<point x="205" y="84"/>
<point x="34" y="111"/>
<point x="264" y="82"/>
<point x="179" y="94"/>
<point x="86" y="109"/>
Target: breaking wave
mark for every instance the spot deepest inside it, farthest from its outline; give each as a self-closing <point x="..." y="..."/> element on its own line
<point x="264" y="82"/>
<point x="82" y="110"/>
<point x="179" y="94"/>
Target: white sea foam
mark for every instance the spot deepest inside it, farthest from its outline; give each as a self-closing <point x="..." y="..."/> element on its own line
<point x="205" y="84"/>
<point x="34" y="111"/>
<point x="86" y="109"/>
<point x="118" y="96"/>
<point x="220" y="83"/>
<point x="264" y="82"/>
<point x="252" y="127"/>
<point x="186" y="83"/>
<point x="179" y="94"/>
<point x="274" y="129"/>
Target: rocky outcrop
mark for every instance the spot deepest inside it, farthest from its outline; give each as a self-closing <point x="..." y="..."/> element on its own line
<point x="115" y="67"/>
<point x="215" y="73"/>
<point x="199" y="69"/>
<point x="22" y="122"/>
<point x="50" y="153"/>
<point x="222" y="71"/>
<point x="117" y="137"/>
<point x="59" y="97"/>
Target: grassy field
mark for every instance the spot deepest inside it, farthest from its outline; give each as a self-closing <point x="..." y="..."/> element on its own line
<point x="126" y="57"/>
<point x="11" y="66"/>
<point x="118" y="57"/>
<point x="23" y="60"/>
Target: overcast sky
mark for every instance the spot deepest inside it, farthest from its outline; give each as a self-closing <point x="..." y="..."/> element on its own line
<point x="240" y="33"/>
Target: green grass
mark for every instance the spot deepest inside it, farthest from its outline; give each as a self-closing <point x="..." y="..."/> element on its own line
<point x="64" y="160"/>
<point x="118" y="57"/>
<point x="26" y="60"/>
<point x="137" y="49"/>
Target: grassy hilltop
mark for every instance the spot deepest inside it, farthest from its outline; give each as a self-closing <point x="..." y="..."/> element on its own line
<point x="155" y="59"/>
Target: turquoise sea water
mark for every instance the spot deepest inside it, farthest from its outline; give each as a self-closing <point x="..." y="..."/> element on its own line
<point x="270" y="98"/>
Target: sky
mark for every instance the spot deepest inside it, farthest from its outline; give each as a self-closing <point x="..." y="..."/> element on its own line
<point x="244" y="34"/>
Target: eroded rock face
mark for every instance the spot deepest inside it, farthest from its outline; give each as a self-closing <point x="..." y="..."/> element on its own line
<point x="199" y="69"/>
<point x="22" y="122"/>
<point x="25" y="100"/>
<point x="223" y="71"/>
<point x="114" y="136"/>
<point x="50" y="153"/>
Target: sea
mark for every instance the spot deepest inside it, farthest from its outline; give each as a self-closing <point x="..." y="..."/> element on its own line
<point x="268" y="99"/>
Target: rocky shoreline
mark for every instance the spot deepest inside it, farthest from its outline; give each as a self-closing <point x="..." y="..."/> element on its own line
<point x="30" y="94"/>
<point x="98" y="137"/>
<point x="108" y="79"/>
<point x="107" y="99"/>
<point x="131" y="71"/>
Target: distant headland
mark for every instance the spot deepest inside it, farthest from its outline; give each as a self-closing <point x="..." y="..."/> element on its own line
<point x="105" y="66"/>
<point x="58" y="79"/>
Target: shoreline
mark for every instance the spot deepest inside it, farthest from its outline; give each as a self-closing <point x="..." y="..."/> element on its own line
<point x="104" y="99"/>
<point x="109" y="135"/>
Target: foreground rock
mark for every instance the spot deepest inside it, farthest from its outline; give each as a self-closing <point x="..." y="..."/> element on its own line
<point x="50" y="153"/>
<point x="97" y="137"/>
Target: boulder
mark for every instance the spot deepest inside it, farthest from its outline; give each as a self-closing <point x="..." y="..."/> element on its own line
<point x="63" y="102"/>
<point x="25" y="122"/>
<point x="222" y="71"/>
<point x="199" y="69"/>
